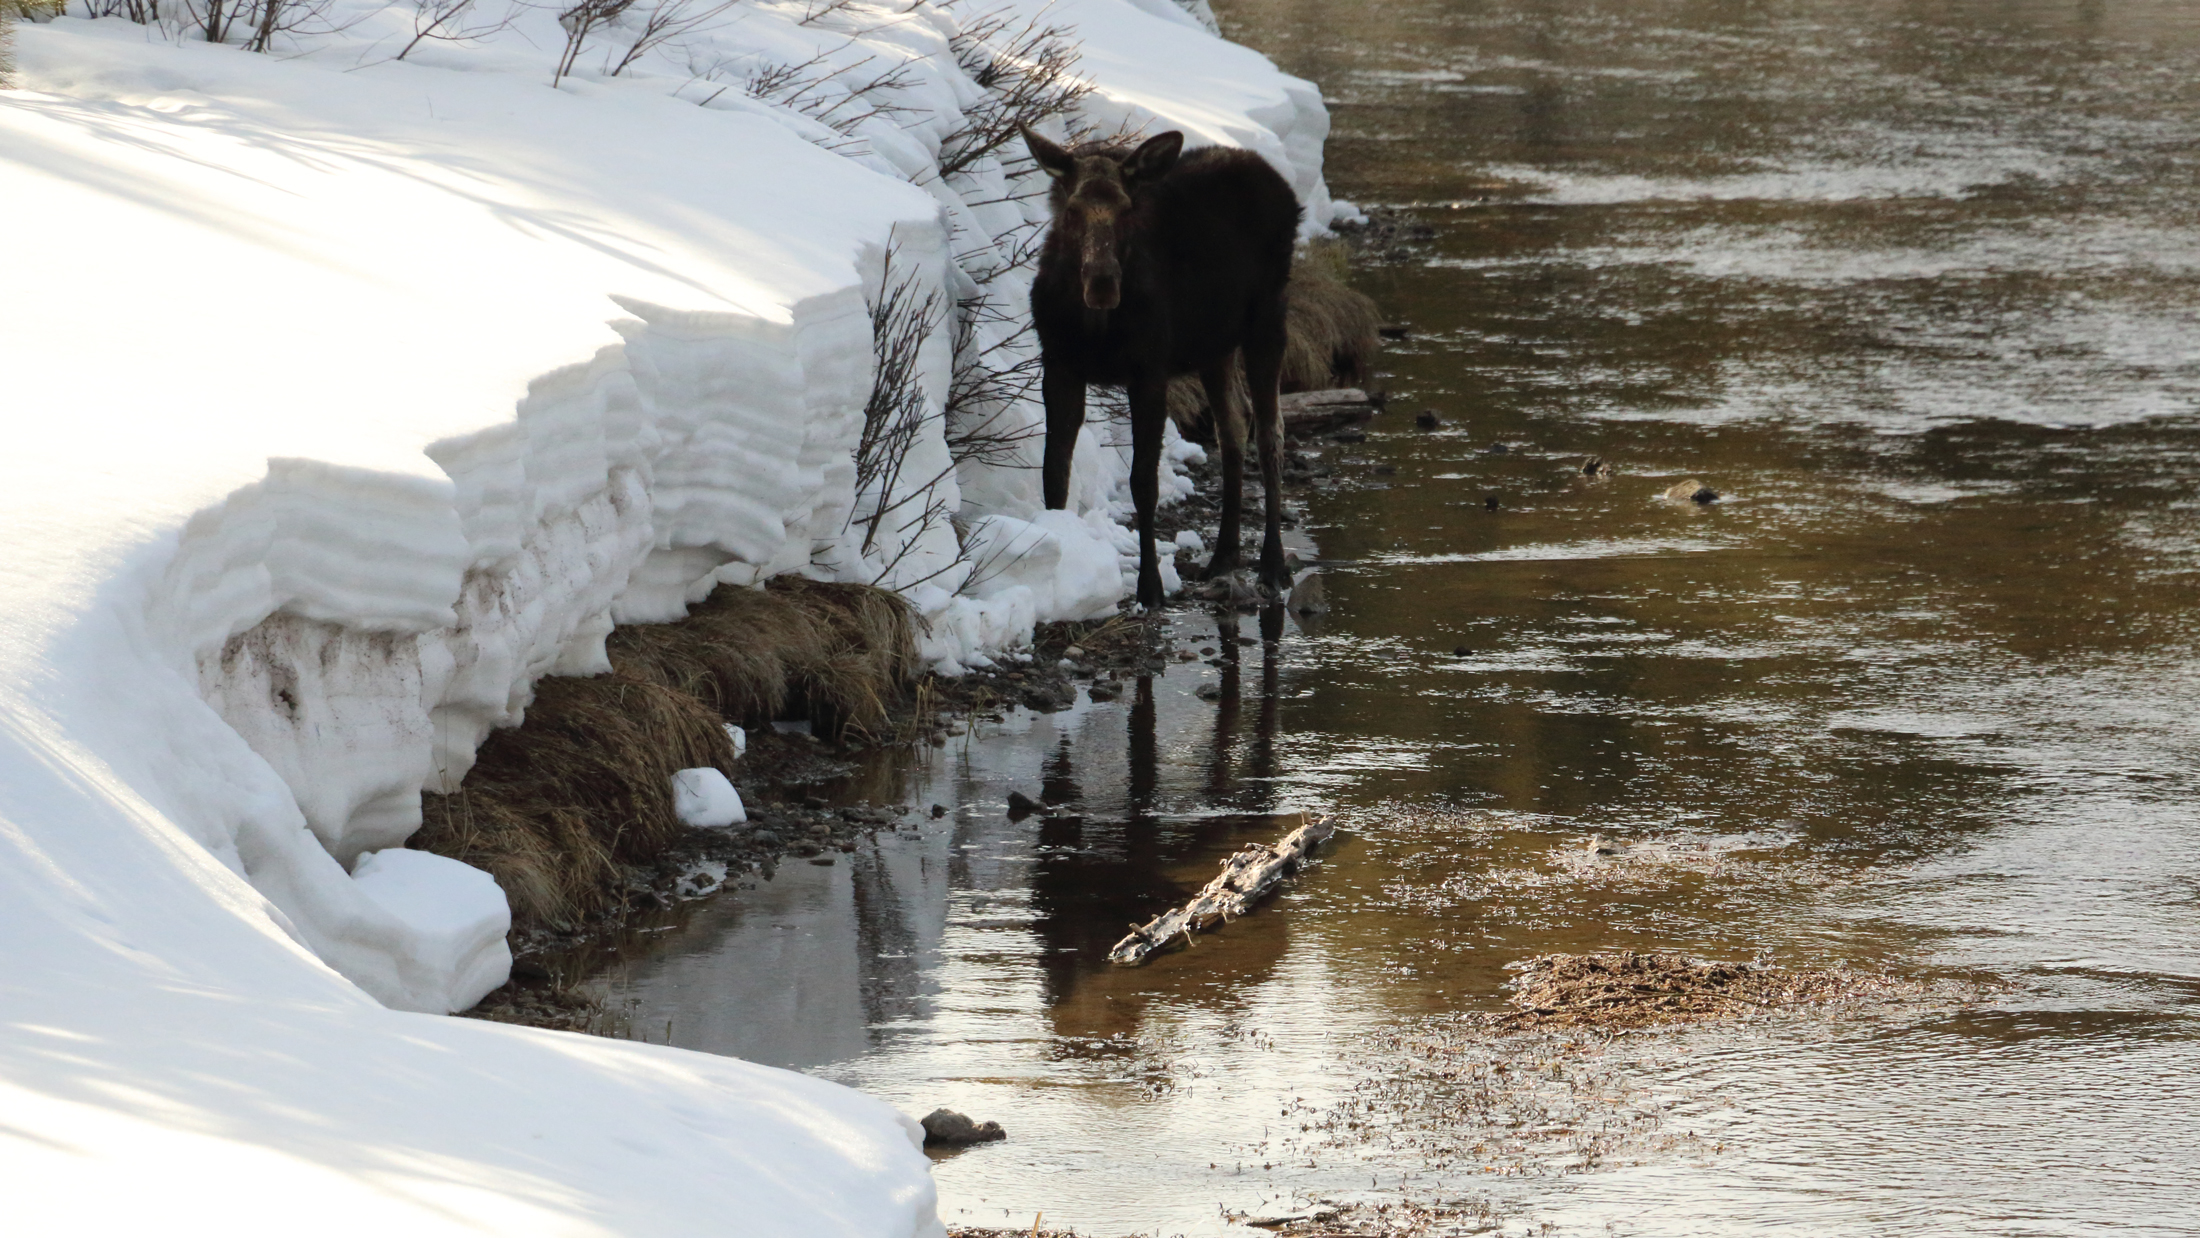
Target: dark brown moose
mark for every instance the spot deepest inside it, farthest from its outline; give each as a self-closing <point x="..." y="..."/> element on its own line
<point x="1163" y="263"/>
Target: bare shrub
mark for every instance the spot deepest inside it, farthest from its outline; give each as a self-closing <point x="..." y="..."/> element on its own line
<point x="1028" y="71"/>
<point x="867" y="89"/>
<point x="896" y="416"/>
<point x="450" y="21"/>
<point x="668" y="20"/>
<point x="580" y="23"/>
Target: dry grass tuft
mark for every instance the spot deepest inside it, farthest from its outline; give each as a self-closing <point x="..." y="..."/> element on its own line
<point x="1624" y="990"/>
<point x="837" y="654"/>
<point x="553" y="808"/>
<point x="1330" y="338"/>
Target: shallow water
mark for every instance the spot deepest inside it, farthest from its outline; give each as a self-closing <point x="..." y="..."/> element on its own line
<point x="1917" y="288"/>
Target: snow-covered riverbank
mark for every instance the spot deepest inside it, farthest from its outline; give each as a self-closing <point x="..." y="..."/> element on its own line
<point x="347" y="397"/>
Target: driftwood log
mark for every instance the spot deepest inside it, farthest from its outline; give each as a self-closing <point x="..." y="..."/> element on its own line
<point x="1318" y="412"/>
<point x="1246" y="878"/>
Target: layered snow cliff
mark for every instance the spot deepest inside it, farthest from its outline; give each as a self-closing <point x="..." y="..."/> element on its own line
<point x="347" y="397"/>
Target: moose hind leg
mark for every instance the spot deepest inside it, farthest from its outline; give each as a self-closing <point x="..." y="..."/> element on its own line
<point x="1149" y="412"/>
<point x="1263" y="372"/>
<point x="1230" y="438"/>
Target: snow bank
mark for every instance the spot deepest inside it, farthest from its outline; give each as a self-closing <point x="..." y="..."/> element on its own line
<point x="352" y="397"/>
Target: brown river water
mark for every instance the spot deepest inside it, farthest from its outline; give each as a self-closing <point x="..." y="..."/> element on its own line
<point x="1916" y="287"/>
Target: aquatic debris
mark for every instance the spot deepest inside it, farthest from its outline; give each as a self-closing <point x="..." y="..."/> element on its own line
<point x="945" y="1126"/>
<point x="1245" y="879"/>
<point x="1625" y="989"/>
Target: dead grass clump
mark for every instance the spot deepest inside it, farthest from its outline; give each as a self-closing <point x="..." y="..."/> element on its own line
<point x="1624" y="990"/>
<point x="552" y="808"/>
<point x="839" y="655"/>
<point x="555" y="807"/>
<point x="1331" y="338"/>
<point x="1330" y="335"/>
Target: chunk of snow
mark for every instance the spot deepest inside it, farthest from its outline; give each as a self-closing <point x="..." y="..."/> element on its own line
<point x="459" y="912"/>
<point x="740" y="739"/>
<point x="1068" y="566"/>
<point x="705" y="797"/>
<point x="1189" y="539"/>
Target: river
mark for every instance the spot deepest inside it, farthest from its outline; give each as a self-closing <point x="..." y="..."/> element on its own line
<point x="1915" y="288"/>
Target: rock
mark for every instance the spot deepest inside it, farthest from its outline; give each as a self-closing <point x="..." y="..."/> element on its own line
<point x="1047" y="698"/>
<point x="1427" y="419"/>
<point x="1462" y="652"/>
<point x="1394" y="330"/>
<point x="1349" y="436"/>
<point x="1491" y="504"/>
<point x="1074" y="651"/>
<point x="1496" y="449"/>
<point x="938" y="811"/>
<point x="1021" y="805"/>
<point x="1308" y="597"/>
<point x="1104" y="690"/>
<point x="945" y="1126"/>
<point x="1595" y="466"/>
<point x="1692" y="490"/>
<point x="1208" y="692"/>
<point x="1311" y="412"/>
<point x="1601" y="844"/>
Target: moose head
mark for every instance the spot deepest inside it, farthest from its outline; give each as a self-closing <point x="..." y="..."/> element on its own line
<point x="1093" y="191"/>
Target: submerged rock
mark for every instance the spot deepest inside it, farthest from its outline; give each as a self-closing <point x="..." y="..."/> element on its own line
<point x="1693" y="490"/>
<point x="945" y="1126"/>
<point x="1021" y="805"/>
<point x="1308" y="597"/>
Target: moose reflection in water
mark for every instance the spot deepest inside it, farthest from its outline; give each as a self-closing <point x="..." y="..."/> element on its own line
<point x="822" y="964"/>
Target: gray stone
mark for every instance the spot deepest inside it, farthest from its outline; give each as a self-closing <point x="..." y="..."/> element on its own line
<point x="945" y="1126"/>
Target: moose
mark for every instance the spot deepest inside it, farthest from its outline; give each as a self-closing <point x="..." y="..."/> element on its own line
<point x="1161" y="263"/>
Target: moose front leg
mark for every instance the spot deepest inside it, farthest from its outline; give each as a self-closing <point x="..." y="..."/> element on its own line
<point x="1230" y="439"/>
<point x="1149" y="415"/>
<point x="1064" y="394"/>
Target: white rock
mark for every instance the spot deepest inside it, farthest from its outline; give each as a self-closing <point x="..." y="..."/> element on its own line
<point x="740" y="739"/>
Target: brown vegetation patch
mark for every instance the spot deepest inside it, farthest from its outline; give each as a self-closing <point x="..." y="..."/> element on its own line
<point x="838" y="655"/>
<point x="1330" y="337"/>
<point x="557" y="808"/>
<point x="1625" y="990"/>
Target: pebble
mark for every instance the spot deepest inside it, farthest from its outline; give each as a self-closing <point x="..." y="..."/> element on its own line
<point x="1427" y="419"/>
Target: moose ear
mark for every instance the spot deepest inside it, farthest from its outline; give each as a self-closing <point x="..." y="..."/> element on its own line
<point x="1155" y="156"/>
<point x="1057" y="162"/>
